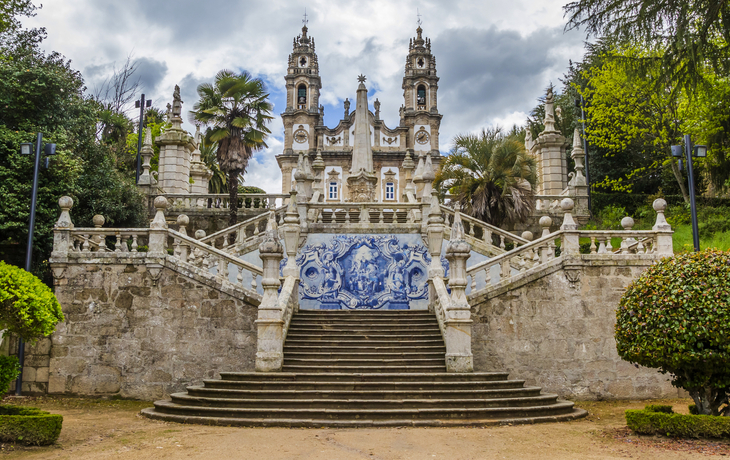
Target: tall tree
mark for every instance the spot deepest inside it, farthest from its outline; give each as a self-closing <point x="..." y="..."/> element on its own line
<point x="492" y="176"/>
<point x="235" y="108"/>
<point x="694" y="34"/>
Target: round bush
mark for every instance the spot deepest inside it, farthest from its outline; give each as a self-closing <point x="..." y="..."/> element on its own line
<point x="29" y="425"/>
<point x="676" y="317"/>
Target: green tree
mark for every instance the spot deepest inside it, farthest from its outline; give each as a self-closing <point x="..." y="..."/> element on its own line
<point x="676" y="317"/>
<point x="9" y="12"/>
<point x="693" y="35"/>
<point x="236" y="110"/>
<point x="492" y="176"/>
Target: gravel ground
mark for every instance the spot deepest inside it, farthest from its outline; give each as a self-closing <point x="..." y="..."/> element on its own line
<point x="98" y="428"/>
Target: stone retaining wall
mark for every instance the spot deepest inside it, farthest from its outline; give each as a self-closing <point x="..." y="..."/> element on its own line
<point x="559" y="334"/>
<point x="128" y="335"/>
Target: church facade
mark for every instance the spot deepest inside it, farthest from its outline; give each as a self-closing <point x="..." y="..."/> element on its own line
<point x="361" y="159"/>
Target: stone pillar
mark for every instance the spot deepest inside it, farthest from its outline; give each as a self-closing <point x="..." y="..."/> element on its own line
<point x="270" y="324"/>
<point x="62" y="242"/>
<point x="291" y="231"/>
<point x="199" y="172"/>
<point x="158" y="231"/>
<point x="318" y="167"/>
<point x="428" y="177"/>
<point x="577" y="184"/>
<point x="418" y="175"/>
<point x="550" y="148"/>
<point x="147" y="153"/>
<point x="175" y="147"/>
<point x="407" y="181"/>
<point x="571" y="243"/>
<point x="304" y="178"/>
<point x="457" y="323"/>
<point x="435" y="235"/>
<point x="664" y="231"/>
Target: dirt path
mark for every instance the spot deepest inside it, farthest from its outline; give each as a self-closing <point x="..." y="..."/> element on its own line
<point x="102" y="429"/>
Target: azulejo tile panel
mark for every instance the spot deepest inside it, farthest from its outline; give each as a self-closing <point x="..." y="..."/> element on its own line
<point x="364" y="272"/>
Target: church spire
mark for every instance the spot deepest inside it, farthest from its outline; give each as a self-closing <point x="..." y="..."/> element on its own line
<point x="362" y="152"/>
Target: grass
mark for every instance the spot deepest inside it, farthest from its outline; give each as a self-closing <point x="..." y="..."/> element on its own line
<point x="682" y="240"/>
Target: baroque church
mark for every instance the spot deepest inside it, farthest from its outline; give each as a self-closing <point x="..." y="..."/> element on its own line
<point x="361" y="159"/>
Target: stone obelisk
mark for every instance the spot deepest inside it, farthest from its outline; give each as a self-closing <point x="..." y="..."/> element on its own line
<point x="362" y="180"/>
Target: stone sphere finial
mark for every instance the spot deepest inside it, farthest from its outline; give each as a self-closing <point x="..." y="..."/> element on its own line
<point x="567" y="204"/>
<point x="160" y="203"/>
<point x="199" y="234"/>
<point x="528" y="235"/>
<point x="183" y="220"/>
<point x="546" y="221"/>
<point x="627" y="223"/>
<point x="65" y="203"/>
<point x="659" y="205"/>
<point x="98" y="220"/>
<point x="457" y="207"/>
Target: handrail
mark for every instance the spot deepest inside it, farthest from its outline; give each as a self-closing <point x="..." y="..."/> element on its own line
<point x="491" y="229"/>
<point x="240" y="263"/>
<point x="514" y="252"/>
<point x="280" y="211"/>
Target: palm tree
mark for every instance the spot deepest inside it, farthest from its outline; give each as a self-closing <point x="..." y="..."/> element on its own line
<point x="235" y="109"/>
<point x="492" y="176"/>
<point x="217" y="183"/>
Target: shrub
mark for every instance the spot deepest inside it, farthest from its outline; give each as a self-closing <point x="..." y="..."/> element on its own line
<point x="9" y="371"/>
<point x="676" y="317"/>
<point x="29" y="425"/>
<point x="650" y="421"/>
<point x="611" y="216"/>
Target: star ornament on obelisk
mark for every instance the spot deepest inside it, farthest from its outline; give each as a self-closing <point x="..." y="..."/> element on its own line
<point x="361" y="78"/>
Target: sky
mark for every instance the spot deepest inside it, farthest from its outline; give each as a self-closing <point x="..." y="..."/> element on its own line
<point x="494" y="58"/>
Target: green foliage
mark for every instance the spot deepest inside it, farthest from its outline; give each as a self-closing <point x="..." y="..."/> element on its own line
<point x="676" y="317"/>
<point x="662" y="422"/>
<point x="694" y="34"/>
<point x="659" y="408"/>
<point x="235" y="109"/>
<point x="28" y="307"/>
<point x="29" y="425"/>
<point x="492" y="176"/>
<point x="10" y="9"/>
<point x="611" y="216"/>
<point x="9" y="371"/>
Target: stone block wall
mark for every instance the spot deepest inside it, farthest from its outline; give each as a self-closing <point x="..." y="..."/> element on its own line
<point x="559" y="334"/>
<point x="36" y="365"/>
<point x="130" y="335"/>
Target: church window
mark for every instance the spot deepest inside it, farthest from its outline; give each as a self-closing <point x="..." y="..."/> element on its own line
<point x="302" y="97"/>
<point x="421" y="97"/>
<point x="390" y="191"/>
<point x="333" y="191"/>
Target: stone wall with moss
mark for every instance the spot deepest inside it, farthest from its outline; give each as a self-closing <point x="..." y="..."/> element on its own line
<point x="557" y="331"/>
<point x="126" y="334"/>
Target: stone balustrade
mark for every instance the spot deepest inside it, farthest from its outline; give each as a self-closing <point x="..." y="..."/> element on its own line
<point x="244" y="236"/>
<point x="185" y="202"/>
<point x="484" y="238"/>
<point x="363" y="213"/>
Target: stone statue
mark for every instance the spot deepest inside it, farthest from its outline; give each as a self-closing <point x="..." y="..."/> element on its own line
<point x="376" y="104"/>
<point x="529" y="143"/>
<point x="347" y="107"/>
<point x="176" y="102"/>
<point x="321" y="110"/>
<point x="402" y="111"/>
<point x="168" y="113"/>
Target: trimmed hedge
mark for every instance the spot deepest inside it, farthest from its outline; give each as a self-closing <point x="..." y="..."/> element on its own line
<point x="29" y="425"/>
<point x="632" y="201"/>
<point x="656" y="420"/>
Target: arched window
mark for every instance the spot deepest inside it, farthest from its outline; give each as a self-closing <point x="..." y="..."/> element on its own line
<point x="302" y="97"/>
<point x="421" y="97"/>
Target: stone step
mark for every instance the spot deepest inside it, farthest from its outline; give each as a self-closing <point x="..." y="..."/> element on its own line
<point x="360" y="423"/>
<point x="361" y="368"/>
<point x="457" y="404"/>
<point x="364" y="354"/>
<point x="365" y="321"/>
<point x="375" y="332"/>
<point x="326" y="343"/>
<point x="402" y="394"/>
<point x="363" y="314"/>
<point x="352" y="337"/>
<point x="366" y="348"/>
<point x="363" y="327"/>
<point x="437" y="413"/>
<point x="366" y="362"/>
<point x="322" y="384"/>
<point x="388" y="378"/>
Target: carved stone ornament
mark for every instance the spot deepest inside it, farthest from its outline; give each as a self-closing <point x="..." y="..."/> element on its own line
<point x="155" y="272"/>
<point x="573" y="276"/>
<point x="390" y="140"/>
<point x="334" y="140"/>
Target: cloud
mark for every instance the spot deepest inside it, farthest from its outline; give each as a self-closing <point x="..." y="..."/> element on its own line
<point x="150" y="73"/>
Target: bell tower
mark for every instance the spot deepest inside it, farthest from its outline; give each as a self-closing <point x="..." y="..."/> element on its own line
<point x="420" y="93"/>
<point x="303" y="83"/>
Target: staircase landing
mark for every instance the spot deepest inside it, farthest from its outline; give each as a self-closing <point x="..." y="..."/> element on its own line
<point x="360" y="369"/>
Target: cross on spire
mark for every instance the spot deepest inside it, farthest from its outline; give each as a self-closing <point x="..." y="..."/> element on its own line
<point x="305" y="21"/>
<point x="418" y="15"/>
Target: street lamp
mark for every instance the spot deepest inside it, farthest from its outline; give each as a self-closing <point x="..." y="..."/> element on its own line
<point x="141" y="106"/>
<point x="688" y="152"/>
<point x="26" y="149"/>
<point x="580" y="102"/>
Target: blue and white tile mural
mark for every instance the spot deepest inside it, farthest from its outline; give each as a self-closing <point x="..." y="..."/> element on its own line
<point x="364" y="272"/>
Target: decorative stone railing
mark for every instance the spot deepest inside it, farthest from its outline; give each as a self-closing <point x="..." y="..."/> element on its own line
<point x="244" y="236"/>
<point x="566" y="243"/>
<point x="151" y="245"/>
<point x="546" y="202"/>
<point x="184" y="202"/>
<point x="483" y="237"/>
<point x="363" y="213"/>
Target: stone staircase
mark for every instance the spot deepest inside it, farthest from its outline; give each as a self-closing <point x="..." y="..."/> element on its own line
<point x="363" y="368"/>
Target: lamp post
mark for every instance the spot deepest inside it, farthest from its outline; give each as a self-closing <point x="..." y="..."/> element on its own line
<point x="141" y="106"/>
<point x="699" y="151"/>
<point x="26" y="149"/>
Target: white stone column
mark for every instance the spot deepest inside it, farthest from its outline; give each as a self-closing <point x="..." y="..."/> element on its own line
<point x="664" y="231"/>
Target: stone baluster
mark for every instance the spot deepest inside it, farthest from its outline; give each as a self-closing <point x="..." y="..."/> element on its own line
<point x="435" y="234"/>
<point x="501" y="242"/>
<point x="98" y="221"/>
<point x="609" y="247"/>
<point x="602" y="244"/>
<point x="158" y="230"/>
<point x="118" y="243"/>
<point x="135" y="244"/>
<point x="545" y="223"/>
<point x="505" y="269"/>
<point x="270" y="343"/>
<point x="626" y="242"/>
<point x="183" y="248"/>
<point x="381" y="216"/>
<point x="457" y="321"/>
<point x="571" y="238"/>
<point x="364" y="214"/>
<point x="529" y="253"/>
<point x="663" y="242"/>
<point x="291" y="231"/>
<point x="593" y="245"/>
<point x="223" y="268"/>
